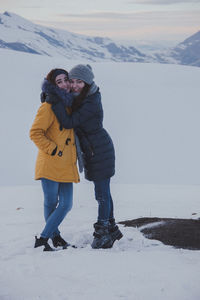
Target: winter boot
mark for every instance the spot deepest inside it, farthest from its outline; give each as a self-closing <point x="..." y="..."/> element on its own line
<point x="114" y="232"/>
<point x="42" y="242"/>
<point x="58" y="241"/>
<point x="102" y="237"/>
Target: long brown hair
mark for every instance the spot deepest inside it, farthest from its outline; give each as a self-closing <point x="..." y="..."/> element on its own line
<point x="79" y="99"/>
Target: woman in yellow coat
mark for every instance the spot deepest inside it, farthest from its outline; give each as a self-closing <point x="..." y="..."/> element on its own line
<point x="56" y="161"/>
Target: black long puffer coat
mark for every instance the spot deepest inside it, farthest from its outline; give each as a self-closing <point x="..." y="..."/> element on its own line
<point x="96" y="144"/>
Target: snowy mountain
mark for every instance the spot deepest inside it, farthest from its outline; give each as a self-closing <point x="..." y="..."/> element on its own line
<point x="188" y="52"/>
<point x="185" y="53"/>
<point x="17" y="33"/>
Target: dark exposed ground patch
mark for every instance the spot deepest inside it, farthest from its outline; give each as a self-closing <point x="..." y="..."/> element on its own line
<point x="180" y="233"/>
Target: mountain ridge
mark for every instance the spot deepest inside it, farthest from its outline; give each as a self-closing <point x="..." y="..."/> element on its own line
<point x="20" y="34"/>
<point x="17" y="33"/>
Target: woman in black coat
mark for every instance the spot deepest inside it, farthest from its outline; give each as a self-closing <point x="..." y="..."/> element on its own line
<point x="96" y="146"/>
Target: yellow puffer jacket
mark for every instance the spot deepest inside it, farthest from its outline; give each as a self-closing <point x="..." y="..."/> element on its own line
<point x="46" y="134"/>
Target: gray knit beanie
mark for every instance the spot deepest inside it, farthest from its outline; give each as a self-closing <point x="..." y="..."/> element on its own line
<point x="82" y="72"/>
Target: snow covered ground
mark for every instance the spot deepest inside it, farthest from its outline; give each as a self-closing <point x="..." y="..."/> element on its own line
<point x="134" y="269"/>
<point x="152" y="113"/>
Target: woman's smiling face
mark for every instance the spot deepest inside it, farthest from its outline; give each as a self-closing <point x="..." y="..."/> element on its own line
<point x="77" y="85"/>
<point x="63" y="82"/>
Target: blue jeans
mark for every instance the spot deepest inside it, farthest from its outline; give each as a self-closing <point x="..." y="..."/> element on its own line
<point x="58" y="198"/>
<point x="104" y="199"/>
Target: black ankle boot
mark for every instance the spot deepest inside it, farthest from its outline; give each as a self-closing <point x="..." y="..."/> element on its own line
<point x="114" y="232"/>
<point x="42" y="242"/>
<point x="58" y="241"/>
<point x="101" y="235"/>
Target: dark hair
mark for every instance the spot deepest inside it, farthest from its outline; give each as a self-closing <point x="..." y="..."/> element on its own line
<point x="51" y="76"/>
<point x="79" y="99"/>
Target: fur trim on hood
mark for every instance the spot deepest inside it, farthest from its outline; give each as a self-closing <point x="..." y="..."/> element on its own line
<point x="49" y="88"/>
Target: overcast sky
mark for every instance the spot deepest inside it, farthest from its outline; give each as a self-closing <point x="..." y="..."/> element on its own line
<point x="132" y="20"/>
